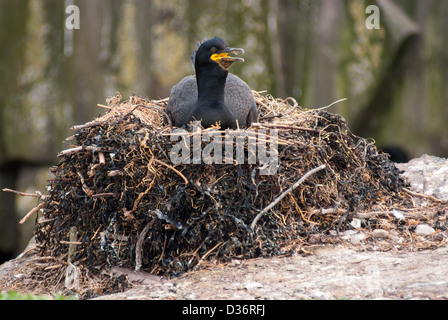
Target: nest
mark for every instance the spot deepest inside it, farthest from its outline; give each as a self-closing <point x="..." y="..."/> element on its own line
<point x="118" y="200"/>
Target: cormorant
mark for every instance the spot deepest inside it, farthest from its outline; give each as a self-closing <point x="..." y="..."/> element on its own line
<point x="222" y="97"/>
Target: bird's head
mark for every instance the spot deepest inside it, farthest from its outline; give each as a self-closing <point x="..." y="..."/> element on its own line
<point x="216" y="51"/>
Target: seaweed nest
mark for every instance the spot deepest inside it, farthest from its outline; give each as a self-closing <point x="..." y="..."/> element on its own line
<point x="118" y="200"/>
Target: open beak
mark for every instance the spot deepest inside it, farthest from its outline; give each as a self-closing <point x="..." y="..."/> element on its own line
<point x="223" y="58"/>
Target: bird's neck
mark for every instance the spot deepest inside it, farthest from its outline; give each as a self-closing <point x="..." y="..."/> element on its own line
<point x="211" y="87"/>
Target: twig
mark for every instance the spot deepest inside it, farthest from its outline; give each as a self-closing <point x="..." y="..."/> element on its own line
<point x="284" y="194"/>
<point x="70" y="151"/>
<point x="416" y="194"/>
<point x="368" y="215"/>
<point x="163" y="249"/>
<point x="195" y="252"/>
<point x="114" y="173"/>
<point x="86" y="189"/>
<point x="57" y="266"/>
<point x="282" y="126"/>
<point x="85" y="125"/>
<point x="293" y="107"/>
<point x="260" y="102"/>
<point x="332" y="104"/>
<point x="72" y="244"/>
<point x="37" y="194"/>
<point x="208" y="252"/>
<point x="164" y="100"/>
<point x="76" y="243"/>
<point x="328" y="211"/>
<point x="102" y="159"/>
<point x="104" y="195"/>
<point x="150" y="107"/>
<point x="79" y="149"/>
<point x="103" y="106"/>
<point x="40" y="206"/>
<point x="172" y="168"/>
<point x="259" y="92"/>
<point x="270" y="117"/>
<point x="138" y="249"/>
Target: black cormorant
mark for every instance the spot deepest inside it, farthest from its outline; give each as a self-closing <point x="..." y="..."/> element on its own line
<point x="222" y="97"/>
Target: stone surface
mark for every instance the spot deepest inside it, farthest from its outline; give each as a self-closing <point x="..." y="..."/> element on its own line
<point x="427" y="175"/>
<point x="330" y="273"/>
<point x="424" y="229"/>
<point x="380" y="234"/>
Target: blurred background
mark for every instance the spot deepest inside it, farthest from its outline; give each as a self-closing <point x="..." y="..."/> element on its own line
<point x="317" y="51"/>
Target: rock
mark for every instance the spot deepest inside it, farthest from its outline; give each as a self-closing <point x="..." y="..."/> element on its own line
<point x="347" y="234"/>
<point x="352" y="236"/>
<point x="190" y="296"/>
<point x="356" y="223"/>
<point x="234" y="263"/>
<point x="398" y="214"/>
<point x="424" y="229"/>
<point x="427" y="175"/>
<point x="253" y="285"/>
<point x="320" y="295"/>
<point x="357" y="238"/>
<point x="380" y="234"/>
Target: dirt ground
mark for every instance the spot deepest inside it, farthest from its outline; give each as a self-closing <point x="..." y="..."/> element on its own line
<point x="363" y="266"/>
<point x="330" y="273"/>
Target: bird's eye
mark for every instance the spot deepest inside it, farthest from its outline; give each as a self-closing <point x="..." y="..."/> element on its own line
<point x="214" y="49"/>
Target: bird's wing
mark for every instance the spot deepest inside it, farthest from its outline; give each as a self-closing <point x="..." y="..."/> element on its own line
<point x="253" y="115"/>
<point x="238" y="98"/>
<point x="183" y="98"/>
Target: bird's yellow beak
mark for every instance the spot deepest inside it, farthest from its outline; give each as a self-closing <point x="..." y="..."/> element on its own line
<point x="218" y="56"/>
<point x="223" y="58"/>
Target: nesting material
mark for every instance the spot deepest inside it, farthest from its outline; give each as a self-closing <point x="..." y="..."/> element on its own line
<point x="133" y="208"/>
<point x="118" y="200"/>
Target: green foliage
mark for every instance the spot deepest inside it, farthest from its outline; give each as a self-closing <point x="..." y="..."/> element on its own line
<point x="12" y="295"/>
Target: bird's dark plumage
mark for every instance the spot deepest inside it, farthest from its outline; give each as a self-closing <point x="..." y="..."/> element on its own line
<point x="222" y="97"/>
